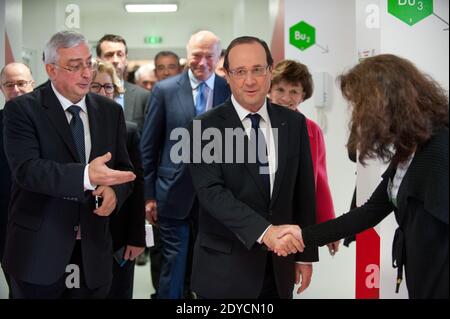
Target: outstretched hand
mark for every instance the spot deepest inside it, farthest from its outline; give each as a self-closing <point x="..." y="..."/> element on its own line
<point x="101" y="174"/>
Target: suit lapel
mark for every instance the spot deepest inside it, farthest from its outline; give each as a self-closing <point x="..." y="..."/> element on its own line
<point x="219" y="92"/>
<point x="185" y="97"/>
<point x="94" y="117"/>
<point x="280" y="132"/>
<point x="128" y="100"/>
<point x="58" y="118"/>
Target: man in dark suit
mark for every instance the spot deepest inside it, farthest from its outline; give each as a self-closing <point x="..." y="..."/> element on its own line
<point x="65" y="148"/>
<point x="245" y="204"/>
<point x="128" y="225"/>
<point x="15" y="80"/>
<point x="169" y="194"/>
<point x="113" y="49"/>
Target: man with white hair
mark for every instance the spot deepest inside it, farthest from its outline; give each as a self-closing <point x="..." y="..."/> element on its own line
<point x="169" y="194"/>
<point x="145" y="76"/>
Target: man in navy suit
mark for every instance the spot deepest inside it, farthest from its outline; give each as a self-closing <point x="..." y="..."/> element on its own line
<point x="15" y="80"/>
<point x="169" y="194"/>
<point x="65" y="147"/>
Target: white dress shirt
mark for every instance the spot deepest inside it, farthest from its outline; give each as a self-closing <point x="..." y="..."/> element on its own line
<point x="65" y="103"/>
<point x="209" y="90"/>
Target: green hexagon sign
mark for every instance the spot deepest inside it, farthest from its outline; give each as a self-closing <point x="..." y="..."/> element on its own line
<point x="302" y="35"/>
<point x="410" y="11"/>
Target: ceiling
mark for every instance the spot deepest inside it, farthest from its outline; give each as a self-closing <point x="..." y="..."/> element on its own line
<point x="117" y="7"/>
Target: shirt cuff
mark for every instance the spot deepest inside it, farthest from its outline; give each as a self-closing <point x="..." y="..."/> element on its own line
<point x="86" y="181"/>
<point x="260" y="239"/>
<point x="304" y="262"/>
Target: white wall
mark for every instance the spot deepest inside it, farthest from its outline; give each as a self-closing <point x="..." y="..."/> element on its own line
<point x="227" y="19"/>
<point x="335" y="26"/>
<point x="341" y="26"/>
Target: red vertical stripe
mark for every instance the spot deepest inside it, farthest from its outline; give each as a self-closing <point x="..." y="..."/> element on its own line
<point x="277" y="45"/>
<point x="368" y="265"/>
<point x="9" y="56"/>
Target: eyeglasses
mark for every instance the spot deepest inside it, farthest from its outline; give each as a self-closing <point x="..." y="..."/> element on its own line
<point x="242" y="73"/>
<point x="108" y="87"/>
<point x="91" y="65"/>
<point x="20" y="84"/>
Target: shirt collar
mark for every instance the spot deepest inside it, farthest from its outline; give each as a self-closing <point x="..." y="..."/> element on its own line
<point x="242" y="112"/>
<point x="195" y="82"/>
<point x="65" y="103"/>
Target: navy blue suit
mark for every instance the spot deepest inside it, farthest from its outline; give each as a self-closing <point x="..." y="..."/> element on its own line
<point x="171" y="106"/>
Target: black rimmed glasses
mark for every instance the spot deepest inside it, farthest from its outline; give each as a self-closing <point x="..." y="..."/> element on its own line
<point x="108" y="87"/>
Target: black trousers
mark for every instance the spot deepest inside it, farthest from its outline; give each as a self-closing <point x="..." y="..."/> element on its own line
<point x="122" y="283"/>
<point x="269" y="289"/>
<point x="59" y="289"/>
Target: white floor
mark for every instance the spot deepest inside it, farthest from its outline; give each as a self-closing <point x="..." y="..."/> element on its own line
<point x="143" y="287"/>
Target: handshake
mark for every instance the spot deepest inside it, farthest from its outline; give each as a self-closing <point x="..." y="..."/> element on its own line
<point x="284" y="239"/>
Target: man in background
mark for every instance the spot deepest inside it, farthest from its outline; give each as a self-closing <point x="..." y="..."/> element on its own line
<point x="15" y="80"/>
<point x="113" y="49"/>
<point x="167" y="64"/>
<point x="145" y="76"/>
<point x="169" y="194"/>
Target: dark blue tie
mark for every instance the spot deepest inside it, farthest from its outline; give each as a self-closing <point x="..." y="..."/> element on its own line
<point x="200" y="100"/>
<point x="76" y="125"/>
<point x="261" y="148"/>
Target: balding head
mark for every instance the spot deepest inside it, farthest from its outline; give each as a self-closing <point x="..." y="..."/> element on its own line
<point x="15" y="80"/>
<point x="203" y="51"/>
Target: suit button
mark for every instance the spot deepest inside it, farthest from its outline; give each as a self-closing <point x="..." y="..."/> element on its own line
<point x="75" y="228"/>
<point x="270" y="212"/>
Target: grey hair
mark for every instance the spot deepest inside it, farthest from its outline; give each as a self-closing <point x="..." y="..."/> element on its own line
<point x="62" y="40"/>
<point x="146" y="68"/>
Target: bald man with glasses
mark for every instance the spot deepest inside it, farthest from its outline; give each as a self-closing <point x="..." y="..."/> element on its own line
<point x="15" y="80"/>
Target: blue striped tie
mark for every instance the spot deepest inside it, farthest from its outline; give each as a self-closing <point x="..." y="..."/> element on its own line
<point x="200" y="100"/>
<point x="76" y="125"/>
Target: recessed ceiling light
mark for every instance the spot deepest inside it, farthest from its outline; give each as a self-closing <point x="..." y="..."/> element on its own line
<point x="151" y="7"/>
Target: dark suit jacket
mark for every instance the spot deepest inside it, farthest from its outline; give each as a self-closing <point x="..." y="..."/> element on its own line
<point x="236" y="210"/>
<point x="171" y="107"/>
<point x="128" y="225"/>
<point x="5" y="189"/>
<point x="135" y="103"/>
<point x="421" y="241"/>
<point x="48" y="200"/>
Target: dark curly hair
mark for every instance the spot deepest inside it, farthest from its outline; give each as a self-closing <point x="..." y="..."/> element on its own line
<point x="396" y="107"/>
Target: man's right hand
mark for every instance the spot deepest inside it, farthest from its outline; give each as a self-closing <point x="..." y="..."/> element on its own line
<point x="100" y="174"/>
<point x="283" y="240"/>
<point x="151" y="213"/>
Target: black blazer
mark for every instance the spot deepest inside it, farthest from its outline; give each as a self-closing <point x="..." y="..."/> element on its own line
<point x="235" y="209"/>
<point x="5" y="189"/>
<point x="48" y="200"/>
<point x="171" y="107"/>
<point x="421" y="240"/>
<point x="128" y="225"/>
